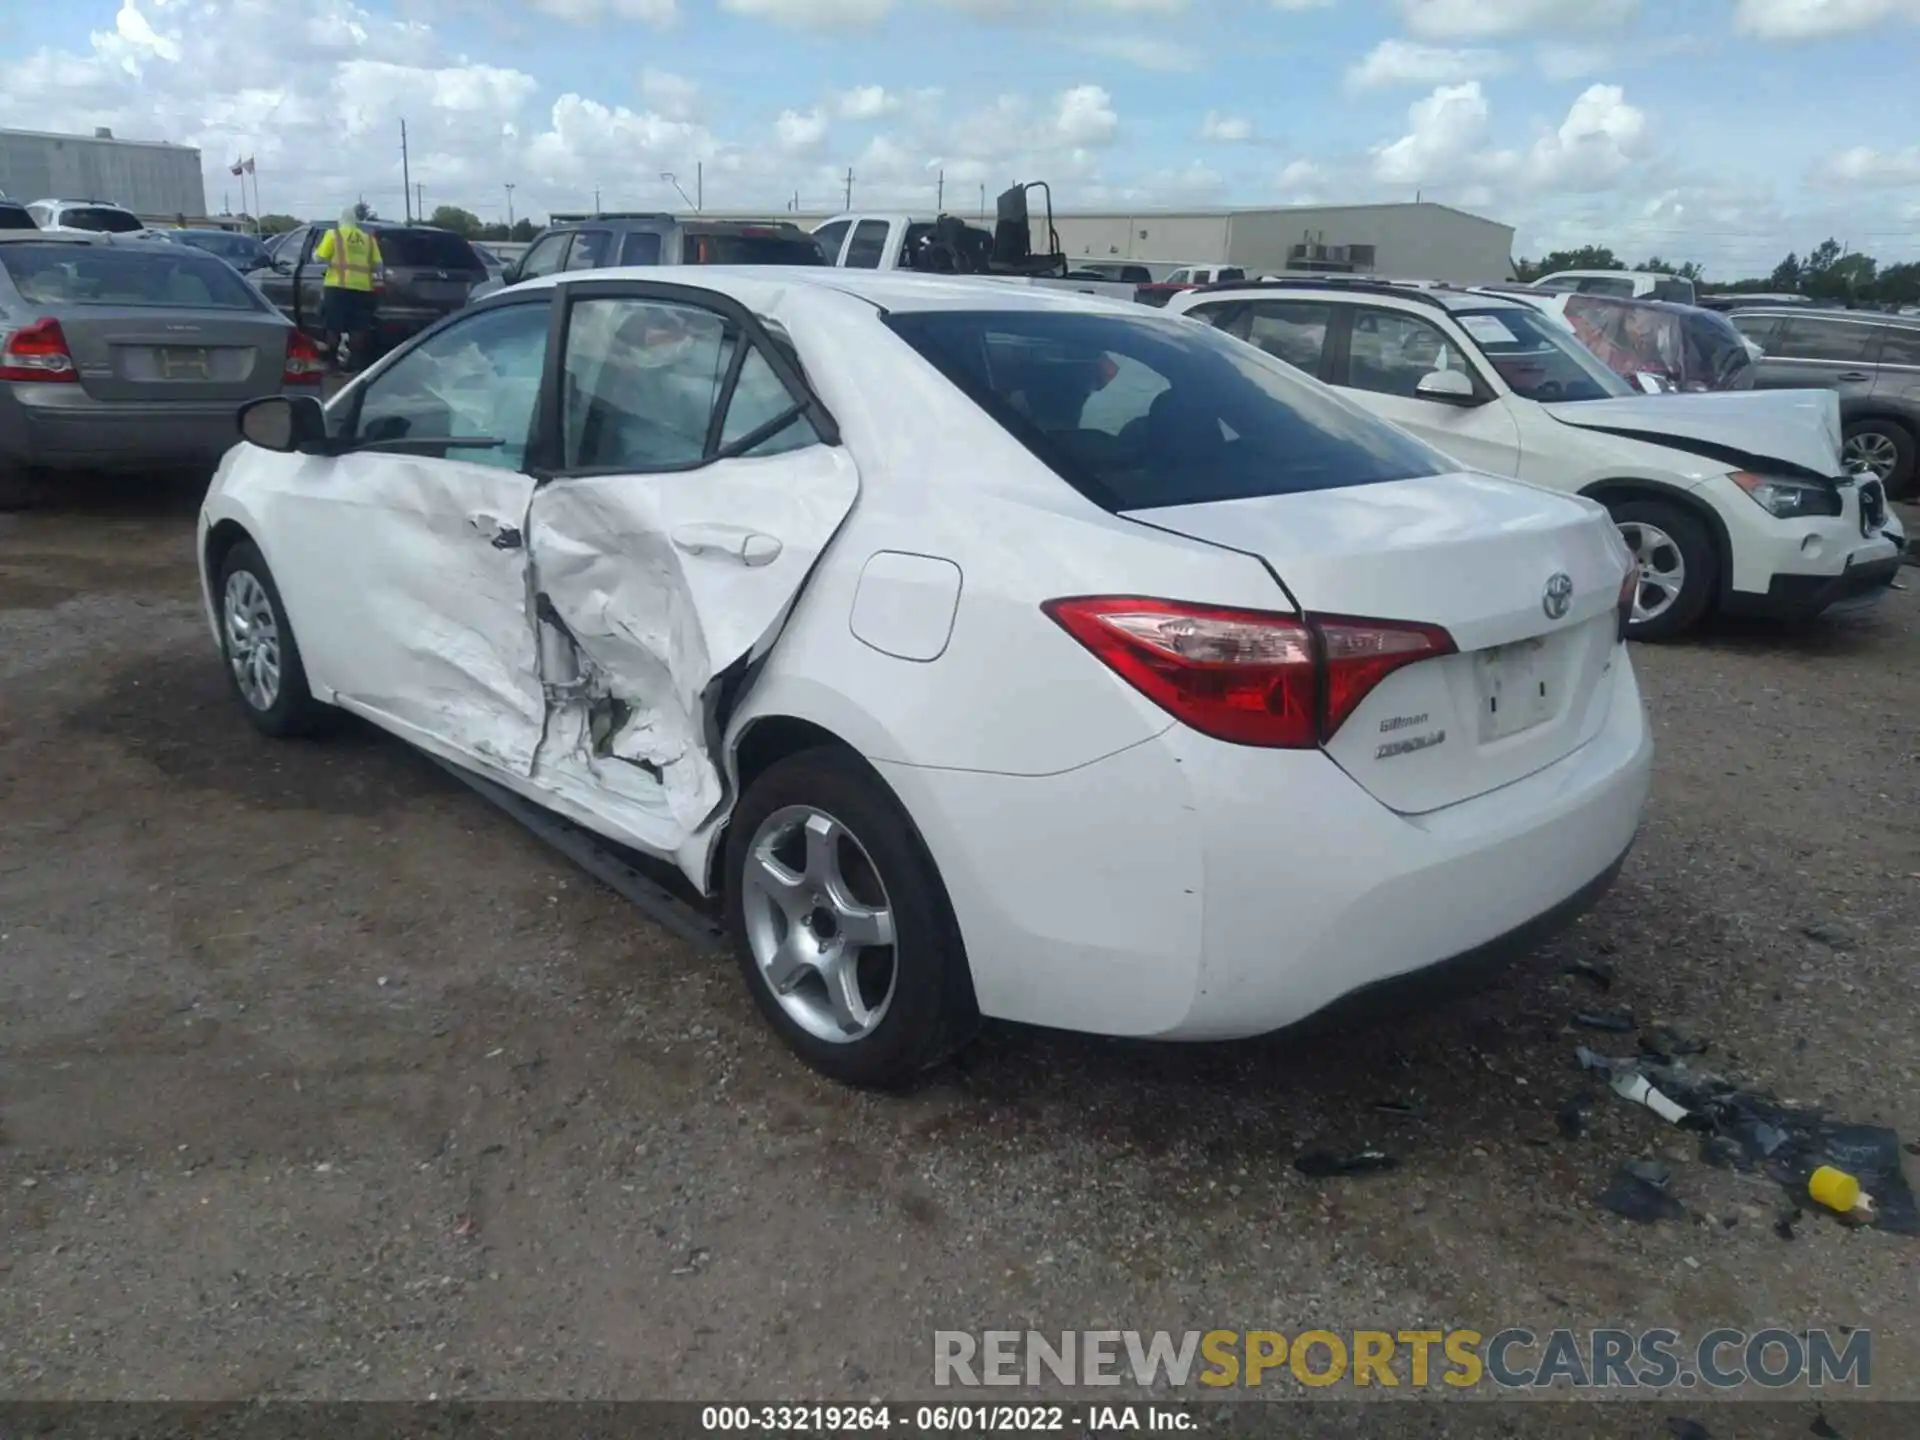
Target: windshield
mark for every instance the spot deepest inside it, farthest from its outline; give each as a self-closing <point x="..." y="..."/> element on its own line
<point x="159" y="275"/>
<point x="1139" y="412"/>
<point x="102" y="218"/>
<point x="752" y="250"/>
<point x="1538" y="359"/>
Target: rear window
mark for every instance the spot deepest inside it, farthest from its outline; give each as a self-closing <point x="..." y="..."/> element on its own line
<point x="1680" y="292"/>
<point x="16" y="217"/>
<point x="102" y="218"/>
<point x="231" y="248"/>
<point x="160" y="275"/>
<point x="427" y="249"/>
<point x="1141" y="412"/>
<point x="770" y="248"/>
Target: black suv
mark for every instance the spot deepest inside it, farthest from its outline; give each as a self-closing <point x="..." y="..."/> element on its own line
<point x="428" y="273"/>
<point x="595" y="242"/>
<point x="1873" y="360"/>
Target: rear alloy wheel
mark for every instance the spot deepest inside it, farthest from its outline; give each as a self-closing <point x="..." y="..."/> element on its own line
<point x="1883" y="449"/>
<point x="263" y="659"/>
<point x="1677" y="567"/>
<point x="841" y="924"/>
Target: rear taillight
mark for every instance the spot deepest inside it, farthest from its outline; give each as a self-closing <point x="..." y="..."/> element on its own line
<point x="1246" y="676"/>
<point x="37" y="352"/>
<point x="1629" y="592"/>
<point x="306" y="365"/>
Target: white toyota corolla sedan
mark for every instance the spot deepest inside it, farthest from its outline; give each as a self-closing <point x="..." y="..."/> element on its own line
<point x="982" y="650"/>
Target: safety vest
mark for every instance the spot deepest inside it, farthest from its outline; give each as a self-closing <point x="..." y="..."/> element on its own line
<point x="350" y="254"/>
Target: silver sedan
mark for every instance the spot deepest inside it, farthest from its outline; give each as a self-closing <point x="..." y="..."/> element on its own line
<point x="130" y="356"/>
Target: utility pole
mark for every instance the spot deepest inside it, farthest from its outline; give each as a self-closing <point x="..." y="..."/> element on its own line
<point x="406" y="176"/>
<point x="596" y="199"/>
<point x="419" y="201"/>
<point x="699" y="186"/>
<point x="983" y="202"/>
<point x="849" y="187"/>
<point x="940" y="192"/>
<point x="509" y="205"/>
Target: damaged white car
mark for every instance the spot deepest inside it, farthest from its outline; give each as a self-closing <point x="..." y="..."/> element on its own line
<point x="981" y="651"/>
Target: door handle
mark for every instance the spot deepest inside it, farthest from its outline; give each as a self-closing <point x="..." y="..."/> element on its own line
<point x="1852" y="375"/>
<point x="749" y="547"/>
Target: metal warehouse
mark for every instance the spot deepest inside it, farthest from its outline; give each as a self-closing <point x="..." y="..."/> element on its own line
<point x="154" y="179"/>
<point x="1414" y="241"/>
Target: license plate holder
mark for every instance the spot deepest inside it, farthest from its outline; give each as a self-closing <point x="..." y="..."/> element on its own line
<point x="1516" y="689"/>
<point x="183" y="362"/>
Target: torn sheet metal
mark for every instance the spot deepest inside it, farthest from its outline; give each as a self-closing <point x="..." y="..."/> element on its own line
<point x="662" y="582"/>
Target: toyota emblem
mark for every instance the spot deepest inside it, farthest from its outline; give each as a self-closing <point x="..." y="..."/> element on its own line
<point x="1558" y="597"/>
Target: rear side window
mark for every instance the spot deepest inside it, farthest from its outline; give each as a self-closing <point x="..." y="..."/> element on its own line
<point x="766" y="248"/>
<point x="102" y="218"/>
<point x="162" y="275"/>
<point x="427" y="249"/>
<point x="1605" y="285"/>
<point x="1757" y="328"/>
<point x="868" y="245"/>
<point x="1291" y="331"/>
<point x="640" y="247"/>
<point x="1804" y="338"/>
<point x="1678" y="291"/>
<point x="589" y="250"/>
<point x="1141" y="412"/>
<point x="829" y="238"/>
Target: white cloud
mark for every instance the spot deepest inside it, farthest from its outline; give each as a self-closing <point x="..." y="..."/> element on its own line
<point x="1300" y="172"/>
<point x="1480" y="19"/>
<point x="1815" y="19"/>
<point x="1559" y="60"/>
<point x="1229" y="128"/>
<point x="1301" y="4"/>
<point x="673" y="96"/>
<point x="1085" y="116"/>
<point x="1444" y="131"/>
<point x="813" y="14"/>
<point x="1407" y="62"/>
<point x="658" y="13"/>
<point x="133" y="27"/>
<point x="1602" y="138"/>
<point x="1144" y="52"/>
<point x="800" y="132"/>
<point x="865" y="102"/>
<point x="1871" y="169"/>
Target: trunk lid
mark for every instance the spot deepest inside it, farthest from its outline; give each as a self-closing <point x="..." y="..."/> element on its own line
<point x="1478" y="556"/>
<point x="136" y="355"/>
<point x="1748" y="429"/>
<point x="430" y="286"/>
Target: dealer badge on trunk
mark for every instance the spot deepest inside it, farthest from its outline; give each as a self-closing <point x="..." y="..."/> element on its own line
<point x="1558" y="598"/>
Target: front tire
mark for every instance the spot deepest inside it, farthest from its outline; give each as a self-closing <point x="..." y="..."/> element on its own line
<point x="262" y="657"/>
<point x="1884" y="448"/>
<point x="841" y="924"/>
<point x="1679" y="570"/>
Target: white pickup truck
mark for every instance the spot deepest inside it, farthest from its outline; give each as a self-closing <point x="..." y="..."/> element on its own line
<point x="883" y="241"/>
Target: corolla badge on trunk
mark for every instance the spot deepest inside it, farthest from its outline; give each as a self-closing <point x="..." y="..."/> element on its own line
<point x="1558" y="597"/>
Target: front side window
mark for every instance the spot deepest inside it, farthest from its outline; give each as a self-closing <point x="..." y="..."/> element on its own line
<point x="546" y="256"/>
<point x="1291" y="330"/>
<point x="829" y="238"/>
<point x="1538" y="359"/>
<point x="1845" y="341"/>
<point x="1391" y="353"/>
<point x="868" y="245"/>
<point x="159" y="276"/>
<point x="477" y="381"/>
<point x="1139" y="412"/>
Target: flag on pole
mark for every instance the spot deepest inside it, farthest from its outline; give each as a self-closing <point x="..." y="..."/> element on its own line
<point x="237" y="167"/>
<point x="249" y="165"/>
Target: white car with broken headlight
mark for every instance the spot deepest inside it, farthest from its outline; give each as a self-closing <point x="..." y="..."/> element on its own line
<point x="981" y="651"/>
<point x="1736" y="502"/>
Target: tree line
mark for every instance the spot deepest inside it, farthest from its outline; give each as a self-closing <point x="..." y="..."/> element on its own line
<point x="446" y="217"/>
<point x="1826" y="272"/>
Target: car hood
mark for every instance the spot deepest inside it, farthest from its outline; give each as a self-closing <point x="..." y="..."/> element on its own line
<point x="1748" y="429"/>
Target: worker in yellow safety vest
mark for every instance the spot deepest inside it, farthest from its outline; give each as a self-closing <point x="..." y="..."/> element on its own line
<point x="352" y="260"/>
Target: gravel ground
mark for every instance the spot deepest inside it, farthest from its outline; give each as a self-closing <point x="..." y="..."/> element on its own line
<point x="320" y="1078"/>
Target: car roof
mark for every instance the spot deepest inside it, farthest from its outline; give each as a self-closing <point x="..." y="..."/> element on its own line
<point x="54" y="237"/>
<point x="1829" y="312"/>
<point x="760" y="286"/>
<point x="1424" y="292"/>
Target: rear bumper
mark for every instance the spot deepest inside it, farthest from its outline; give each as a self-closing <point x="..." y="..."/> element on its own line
<point x="1187" y="889"/>
<point x="77" y="433"/>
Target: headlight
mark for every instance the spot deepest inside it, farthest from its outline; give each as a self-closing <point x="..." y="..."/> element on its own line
<point x="1788" y="499"/>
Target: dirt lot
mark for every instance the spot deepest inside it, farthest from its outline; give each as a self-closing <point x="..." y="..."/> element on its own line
<point x="318" y="1077"/>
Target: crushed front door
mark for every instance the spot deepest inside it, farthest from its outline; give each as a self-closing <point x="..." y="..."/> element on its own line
<point x="699" y="484"/>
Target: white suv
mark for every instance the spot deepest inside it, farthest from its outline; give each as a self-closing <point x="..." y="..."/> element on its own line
<point x="99" y="216"/>
<point x="1734" y="501"/>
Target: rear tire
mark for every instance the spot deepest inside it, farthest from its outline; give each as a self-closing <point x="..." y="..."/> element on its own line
<point x="1885" y="448"/>
<point x="816" y="853"/>
<point x="1680" y="573"/>
<point x="262" y="657"/>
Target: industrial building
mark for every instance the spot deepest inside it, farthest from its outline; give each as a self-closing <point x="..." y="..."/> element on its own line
<point x="1417" y="241"/>
<point x="156" y="180"/>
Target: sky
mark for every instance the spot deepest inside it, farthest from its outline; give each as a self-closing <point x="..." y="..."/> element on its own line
<point x="1723" y="131"/>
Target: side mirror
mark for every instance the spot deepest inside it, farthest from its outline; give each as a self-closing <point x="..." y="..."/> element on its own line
<point x="287" y="424"/>
<point x="1449" y="387"/>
